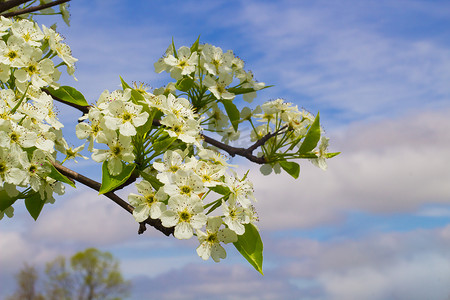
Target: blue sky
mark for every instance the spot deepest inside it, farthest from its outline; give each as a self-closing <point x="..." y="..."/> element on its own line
<point x="376" y="225"/>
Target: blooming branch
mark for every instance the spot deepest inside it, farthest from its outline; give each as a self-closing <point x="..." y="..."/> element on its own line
<point x="116" y="199"/>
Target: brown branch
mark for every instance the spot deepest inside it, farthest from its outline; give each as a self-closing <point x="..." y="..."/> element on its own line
<point x="33" y="8"/>
<point x="119" y="201"/>
<point x="245" y="152"/>
<point x="233" y="151"/>
<point x="4" y="6"/>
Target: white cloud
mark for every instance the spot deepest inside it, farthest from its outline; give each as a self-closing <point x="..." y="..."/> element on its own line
<point x="344" y="58"/>
<point x="196" y="281"/>
<point x="86" y="218"/>
<point x="385" y="167"/>
<point x="408" y="265"/>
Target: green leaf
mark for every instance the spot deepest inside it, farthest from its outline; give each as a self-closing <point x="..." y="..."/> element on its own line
<point x="110" y="182"/>
<point x="148" y="125"/>
<point x="136" y="97"/>
<point x="330" y="155"/>
<point x="220" y="189"/>
<point x="5" y="200"/>
<point x="68" y="94"/>
<point x="124" y="84"/>
<point x="292" y="168"/>
<point x="312" y="137"/>
<point x="251" y="247"/>
<point x="174" y="50"/>
<point x="232" y="112"/>
<point x="34" y="205"/>
<point x="54" y="173"/>
<point x="194" y="46"/>
<point x="216" y="205"/>
<point x="241" y="90"/>
<point x="161" y="146"/>
<point x="152" y="179"/>
<point x="184" y="84"/>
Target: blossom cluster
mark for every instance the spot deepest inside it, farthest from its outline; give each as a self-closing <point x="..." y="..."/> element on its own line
<point x="284" y="117"/>
<point x="120" y="120"/>
<point x="30" y="132"/>
<point x="216" y="75"/>
<point x="182" y="201"/>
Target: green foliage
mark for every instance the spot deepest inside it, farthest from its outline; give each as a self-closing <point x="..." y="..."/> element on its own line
<point x="34" y="205"/>
<point x="68" y="94"/>
<point x="160" y="146"/>
<point x="184" y="84"/>
<point x="232" y="112"/>
<point x="54" y="173"/>
<point x="152" y="179"/>
<point x="312" y="137"/>
<point x="5" y="200"/>
<point x="251" y="247"/>
<point x="292" y="168"/>
<point x="110" y="182"/>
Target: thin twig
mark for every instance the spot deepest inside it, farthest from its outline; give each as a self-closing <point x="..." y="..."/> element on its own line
<point x="33" y="8"/>
<point x="119" y="201"/>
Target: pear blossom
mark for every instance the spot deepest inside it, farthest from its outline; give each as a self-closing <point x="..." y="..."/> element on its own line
<point x="183" y="64"/>
<point x="91" y="131"/>
<point x="16" y="137"/>
<point x="5" y="72"/>
<point x="37" y="69"/>
<point x="209" y="173"/>
<point x="14" y="52"/>
<point x="9" y="171"/>
<point x="180" y="107"/>
<point x="219" y="86"/>
<point x="125" y="116"/>
<point x="185" y="184"/>
<point x="321" y="152"/>
<point x="72" y="153"/>
<point x="211" y="239"/>
<point x="186" y="214"/>
<point x="28" y="31"/>
<point x="37" y="168"/>
<point x="172" y="162"/>
<point x="187" y="131"/>
<point x="120" y="149"/>
<point x="148" y="204"/>
<point x="241" y="190"/>
<point x="235" y="217"/>
<point x="216" y="118"/>
<point x="106" y="98"/>
<point x="215" y="62"/>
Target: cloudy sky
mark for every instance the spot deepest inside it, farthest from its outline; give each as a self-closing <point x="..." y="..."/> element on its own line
<point x="375" y="225"/>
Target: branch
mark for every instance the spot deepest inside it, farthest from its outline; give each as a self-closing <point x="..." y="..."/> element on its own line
<point x="119" y="201"/>
<point x="245" y="152"/>
<point x="10" y="4"/>
<point x="233" y="151"/>
<point x="32" y="9"/>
